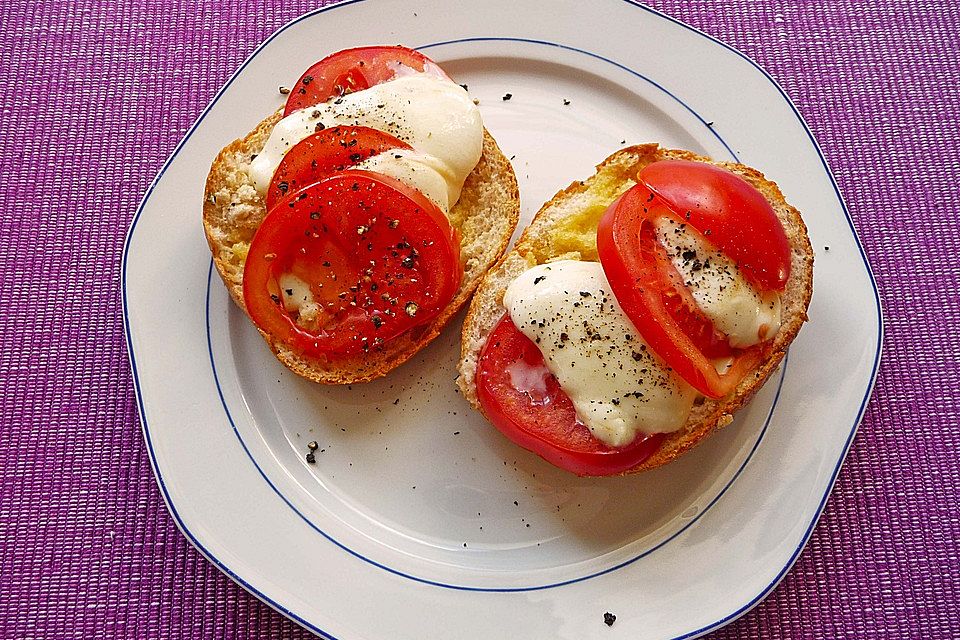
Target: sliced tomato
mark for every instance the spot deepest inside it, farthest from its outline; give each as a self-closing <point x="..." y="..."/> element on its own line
<point x="354" y="70"/>
<point x="733" y="215"/>
<point x="325" y="152"/>
<point x="379" y="259"/>
<point x="540" y="417"/>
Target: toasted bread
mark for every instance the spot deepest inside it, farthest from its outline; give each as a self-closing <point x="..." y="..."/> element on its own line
<point x="486" y="216"/>
<point x="565" y="227"/>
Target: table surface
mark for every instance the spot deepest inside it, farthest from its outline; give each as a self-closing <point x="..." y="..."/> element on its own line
<point x="96" y="96"/>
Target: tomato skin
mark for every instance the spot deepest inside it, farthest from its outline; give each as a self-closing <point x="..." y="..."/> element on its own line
<point x="547" y="425"/>
<point x="736" y="217"/>
<point x="326" y="152"/>
<point x="379" y="258"/>
<point x="643" y="279"/>
<point x="354" y="70"/>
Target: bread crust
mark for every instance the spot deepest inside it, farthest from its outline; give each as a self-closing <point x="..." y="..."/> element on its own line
<point x="486" y="216"/>
<point x="621" y="169"/>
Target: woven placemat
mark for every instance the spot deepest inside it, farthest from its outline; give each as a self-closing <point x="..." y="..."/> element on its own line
<point x="96" y="96"/>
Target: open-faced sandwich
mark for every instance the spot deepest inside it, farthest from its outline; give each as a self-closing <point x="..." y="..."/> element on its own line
<point x="352" y="224"/>
<point x="640" y="309"/>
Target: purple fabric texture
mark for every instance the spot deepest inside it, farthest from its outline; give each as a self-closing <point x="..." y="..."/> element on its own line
<point x="96" y="96"/>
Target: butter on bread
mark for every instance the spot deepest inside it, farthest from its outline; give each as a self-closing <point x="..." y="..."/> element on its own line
<point x="565" y="227"/>
<point x="486" y="216"/>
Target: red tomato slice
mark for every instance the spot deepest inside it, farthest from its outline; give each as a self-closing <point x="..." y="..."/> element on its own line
<point x="354" y="70"/>
<point x="647" y="285"/>
<point x="736" y="217"/>
<point x="540" y="417"/>
<point x="325" y="152"/>
<point x="379" y="259"/>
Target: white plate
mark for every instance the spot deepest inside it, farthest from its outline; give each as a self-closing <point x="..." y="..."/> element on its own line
<point x="419" y="520"/>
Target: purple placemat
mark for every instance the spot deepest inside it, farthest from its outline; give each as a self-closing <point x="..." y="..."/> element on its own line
<point x="95" y="97"/>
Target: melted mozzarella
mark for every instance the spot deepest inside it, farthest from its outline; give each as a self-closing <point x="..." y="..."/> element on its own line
<point x="297" y="297"/>
<point x="720" y="290"/>
<point x="418" y="171"/>
<point x="433" y="115"/>
<point x="618" y="386"/>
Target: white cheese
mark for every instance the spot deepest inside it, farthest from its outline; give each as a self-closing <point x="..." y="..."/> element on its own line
<point x="297" y="297"/>
<point x="736" y="309"/>
<point x="618" y="386"/>
<point x="433" y="115"/>
<point x="415" y="170"/>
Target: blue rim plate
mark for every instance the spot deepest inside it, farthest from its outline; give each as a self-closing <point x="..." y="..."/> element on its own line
<point x="418" y="506"/>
